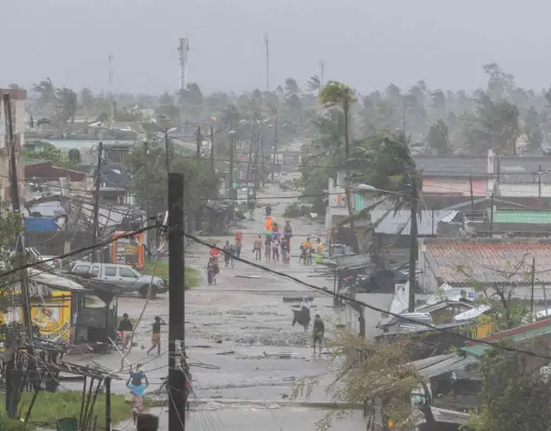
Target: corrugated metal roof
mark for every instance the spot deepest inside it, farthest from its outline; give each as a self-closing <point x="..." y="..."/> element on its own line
<point x="479" y="349"/>
<point x="392" y="224"/>
<point x="441" y="364"/>
<point x="356" y="260"/>
<point x="526" y="217"/>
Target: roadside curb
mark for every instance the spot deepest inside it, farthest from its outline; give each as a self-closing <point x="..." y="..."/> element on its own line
<point x="326" y="405"/>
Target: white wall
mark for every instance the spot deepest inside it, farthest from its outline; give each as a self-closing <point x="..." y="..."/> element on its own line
<point x="524" y="190"/>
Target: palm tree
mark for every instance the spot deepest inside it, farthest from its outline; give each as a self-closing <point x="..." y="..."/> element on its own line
<point x="338" y="94"/>
<point x="291" y="87"/>
<point x="68" y="104"/>
<point x="313" y="83"/>
<point x="46" y="92"/>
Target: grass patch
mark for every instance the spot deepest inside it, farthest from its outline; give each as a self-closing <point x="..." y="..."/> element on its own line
<point x="49" y="406"/>
<point x="192" y="275"/>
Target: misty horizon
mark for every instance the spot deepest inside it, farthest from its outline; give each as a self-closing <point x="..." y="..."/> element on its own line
<point x="400" y="42"/>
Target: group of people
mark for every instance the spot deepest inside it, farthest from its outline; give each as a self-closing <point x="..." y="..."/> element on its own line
<point x="275" y="243"/>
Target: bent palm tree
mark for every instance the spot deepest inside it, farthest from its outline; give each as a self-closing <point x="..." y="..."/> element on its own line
<point x="68" y="104"/>
<point x="313" y="83"/>
<point x="46" y="93"/>
<point x="338" y="94"/>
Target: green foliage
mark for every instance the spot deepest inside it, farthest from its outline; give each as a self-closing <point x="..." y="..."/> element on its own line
<point x="362" y="371"/>
<point x="200" y="183"/>
<point x="514" y="397"/>
<point x="50" y="406"/>
<point x="67" y="104"/>
<point x="532" y="128"/>
<point x="51" y="153"/>
<point x="438" y="141"/>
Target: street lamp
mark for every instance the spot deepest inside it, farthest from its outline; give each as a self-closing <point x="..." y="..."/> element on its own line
<point x="413" y="232"/>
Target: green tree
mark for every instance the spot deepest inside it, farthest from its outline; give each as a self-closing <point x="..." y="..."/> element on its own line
<point x="46" y="93"/>
<point x="532" y="128"/>
<point x="313" y="84"/>
<point x="514" y="395"/>
<point x="68" y="104"/>
<point x="148" y="171"/>
<point x="338" y="94"/>
<point x="166" y="107"/>
<point x="87" y="100"/>
<point x="373" y="372"/>
<point x="438" y="141"/>
<point x="291" y="87"/>
<point x="51" y="153"/>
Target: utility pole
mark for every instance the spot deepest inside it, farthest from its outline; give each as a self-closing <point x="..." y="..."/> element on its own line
<point x="533" y="280"/>
<point x="472" y="197"/>
<point x="198" y="141"/>
<point x="263" y="158"/>
<point x="167" y="152"/>
<point x="176" y="292"/>
<point x="147" y="206"/>
<point x="253" y="133"/>
<point x="276" y="126"/>
<point x="322" y="72"/>
<point x="95" y="226"/>
<point x="492" y="215"/>
<point x="404" y="118"/>
<point x="13" y="382"/>
<point x="212" y="148"/>
<point x="413" y="242"/>
<point x="267" y="44"/>
<point x="539" y="181"/>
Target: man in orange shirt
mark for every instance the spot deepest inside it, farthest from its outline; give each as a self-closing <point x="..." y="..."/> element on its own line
<point x="269" y="224"/>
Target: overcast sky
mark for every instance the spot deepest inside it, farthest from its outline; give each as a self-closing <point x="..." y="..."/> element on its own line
<point x="365" y="43"/>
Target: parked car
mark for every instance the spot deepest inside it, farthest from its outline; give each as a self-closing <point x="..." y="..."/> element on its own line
<point x="124" y="277"/>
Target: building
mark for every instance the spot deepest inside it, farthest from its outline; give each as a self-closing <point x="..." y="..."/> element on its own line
<point x="457" y="175"/>
<point x="18" y="98"/>
<point x="523" y="176"/>
<point x="485" y="263"/>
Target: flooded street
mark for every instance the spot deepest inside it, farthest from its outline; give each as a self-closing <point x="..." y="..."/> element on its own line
<point x="243" y="352"/>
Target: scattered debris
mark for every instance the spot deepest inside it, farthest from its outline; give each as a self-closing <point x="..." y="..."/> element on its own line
<point x="296" y="298"/>
<point x="230" y="352"/>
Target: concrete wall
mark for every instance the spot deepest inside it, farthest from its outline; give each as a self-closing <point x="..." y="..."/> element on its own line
<point x="18" y="98"/>
<point x="444" y="185"/>
<point x="524" y="190"/>
<point x="351" y="318"/>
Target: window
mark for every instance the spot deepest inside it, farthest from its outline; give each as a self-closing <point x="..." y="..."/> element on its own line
<point x="110" y="271"/>
<point x="81" y="269"/>
<point x="125" y="272"/>
<point x="94" y="270"/>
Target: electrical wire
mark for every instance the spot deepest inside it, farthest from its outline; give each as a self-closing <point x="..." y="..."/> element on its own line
<point x="371" y="307"/>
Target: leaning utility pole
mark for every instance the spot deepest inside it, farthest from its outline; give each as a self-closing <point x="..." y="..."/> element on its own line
<point x="322" y="71"/>
<point x="147" y="206"/>
<point x="176" y="292"/>
<point x="413" y="241"/>
<point x="12" y="383"/>
<point x="276" y="126"/>
<point x="198" y="141"/>
<point x="95" y="226"/>
<point x="267" y="44"/>
<point x="212" y="148"/>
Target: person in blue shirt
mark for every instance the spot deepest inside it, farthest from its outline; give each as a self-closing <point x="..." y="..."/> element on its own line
<point x="137" y="386"/>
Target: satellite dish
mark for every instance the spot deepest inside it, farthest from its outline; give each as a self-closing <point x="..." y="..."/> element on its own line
<point x="74" y="156"/>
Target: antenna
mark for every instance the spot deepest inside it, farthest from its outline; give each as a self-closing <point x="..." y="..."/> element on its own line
<point x="183" y="49"/>
<point x="110" y="59"/>
<point x="322" y="70"/>
<point x="267" y="43"/>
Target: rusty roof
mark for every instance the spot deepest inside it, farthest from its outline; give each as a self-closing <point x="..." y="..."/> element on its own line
<point x="466" y="262"/>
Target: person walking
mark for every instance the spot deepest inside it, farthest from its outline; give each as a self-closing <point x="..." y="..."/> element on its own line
<point x="210" y="271"/>
<point x="275" y="249"/>
<point x="284" y="250"/>
<point x="257" y="248"/>
<point x="252" y="207"/>
<point x="156" y="335"/>
<point x="233" y="255"/>
<point x="268" y="210"/>
<point x="288" y="231"/>
<point x="318" y="332"/>
<point x="227" y="254"/>
<point x="137" y="390"/>
<point x="238" y="243"/>
<point x="125" y="328"/>
<point x="268" y="247"/>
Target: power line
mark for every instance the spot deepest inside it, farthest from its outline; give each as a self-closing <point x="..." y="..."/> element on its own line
<point x="78" y="251"/>
<point x="371" y="307"/>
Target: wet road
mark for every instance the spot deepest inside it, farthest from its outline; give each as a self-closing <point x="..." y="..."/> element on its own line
<point x="240" y="341"/>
